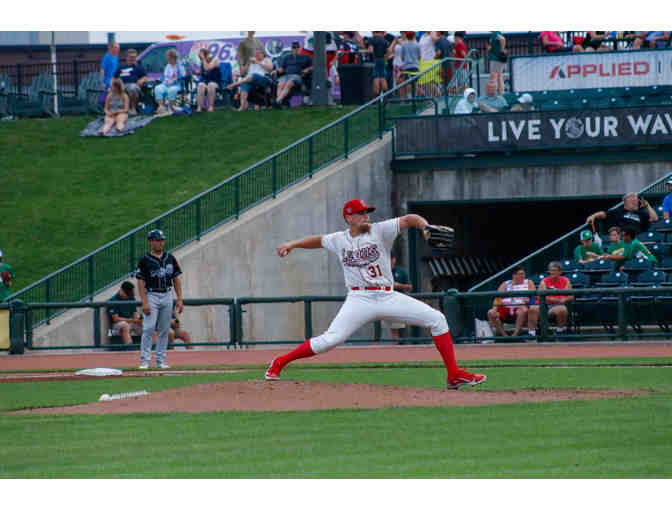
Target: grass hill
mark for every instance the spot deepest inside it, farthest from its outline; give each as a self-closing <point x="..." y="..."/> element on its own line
<point x="62" y="196"/>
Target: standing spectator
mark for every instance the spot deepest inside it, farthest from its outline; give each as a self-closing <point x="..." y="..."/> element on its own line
<point x="444" y="49"/>
<point x="293" y="68"/>
<point x="169" y="87"/>
<point x="133" y="76"/>
<point x="350" y="46"/>
<point x="634" y="212"/>
<point x="410" y="56"/>
<point x="492" y="102"/>
<point x="587" y="251"/>
<point x="498" y="54"/>
<point x="616" y="247"/>
<point x="109" y="64"/>
<point x="427" y="46"/>
<point x="558" y="309"/>
<point x="211" y="76"/>
<point x="402" y="283"/>
<point x="125" y="320"/>
<point x="116" y="107"/>
<point x="257" y="76"/>
<point x="667" y="201"/>
<point x="7" y="276"/>
<point x="467" y="103"/>
<point x="552" y="42"/>
<point x="459" y="52"/>
<point x="246" y="51"/>
<point x="157" y="273"/>
<point x="398" y="61"/>
<point x="513" y="309"/>
<point x="380" y="49"/>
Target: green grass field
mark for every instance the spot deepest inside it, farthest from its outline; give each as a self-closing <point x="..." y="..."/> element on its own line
<point x="611" y="438"/>
<point x="64" y="196"/>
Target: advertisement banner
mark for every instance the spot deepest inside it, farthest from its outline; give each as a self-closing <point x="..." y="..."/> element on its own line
<point x="592" y="70"/>
<point x="533" y="130"/>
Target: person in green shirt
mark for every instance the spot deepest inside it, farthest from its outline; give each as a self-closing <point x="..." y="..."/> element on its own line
<point x="632" y="249"/>
<point x="587" y="251"/>
<point x="6" y="280"/>
<point x="616" y="246"/>
<point x="125" y="320"/>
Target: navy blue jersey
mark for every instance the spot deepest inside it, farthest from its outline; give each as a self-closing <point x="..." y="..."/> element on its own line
<point x="158" y="273"/>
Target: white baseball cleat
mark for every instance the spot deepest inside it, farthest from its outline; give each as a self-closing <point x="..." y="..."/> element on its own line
<point x="464" y="378"/>
<point x="143" y="366"/>
<point x="163" y="365"/>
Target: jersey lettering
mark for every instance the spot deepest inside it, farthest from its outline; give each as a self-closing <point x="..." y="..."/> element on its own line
<point x="361" y="257"/>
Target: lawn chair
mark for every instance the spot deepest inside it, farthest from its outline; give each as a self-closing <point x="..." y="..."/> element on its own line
<point x="32" y="103"/>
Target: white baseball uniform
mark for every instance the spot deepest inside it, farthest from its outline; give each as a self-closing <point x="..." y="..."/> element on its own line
<point x="368" y="277"/>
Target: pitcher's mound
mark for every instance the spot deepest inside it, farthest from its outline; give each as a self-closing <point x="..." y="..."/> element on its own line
<point x="303" y="395"/>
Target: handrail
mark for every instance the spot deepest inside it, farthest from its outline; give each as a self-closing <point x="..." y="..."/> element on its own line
<point x="522" y="261"/>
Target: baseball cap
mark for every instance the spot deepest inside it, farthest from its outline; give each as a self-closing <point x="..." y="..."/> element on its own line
<point x="586" y="235"/>
<point x="356" y="205"/>
<point x="296" y="44"/>
<point x="156" y="235"/>
<point x="525" y="98"/>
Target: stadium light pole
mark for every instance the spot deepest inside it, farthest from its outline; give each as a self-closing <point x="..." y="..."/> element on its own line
<point x="319" y="90"/>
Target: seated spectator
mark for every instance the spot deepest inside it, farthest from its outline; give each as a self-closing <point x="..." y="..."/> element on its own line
<point x="593" y="42"/>
<point x="513" y="309"/>
<point x="492" y="102"/>
<point x="109" y="64"/>
<point x="651" y="40"/>
<point x="293" y="68"/>
<point x="211" y="76"/>
<point x="170" y="86"/>
<point x="6" y="280"/>
<point x="175" y="331"/>
<point x="616" y="246"/>
<point x="116" y="107"/>
<point x="633" y="248"/>
<point x="468" y="103"/>
<point x="634" y="212"/>
<point x="257" y="76"/>
<point x="551" y="42"/>
<point x="133" y="76"/>
<point x="524" y="104"/>
<point x="667" y="201"/>
<point x="557" y="310"/>
<point x="125" y="319"/>
<point x="587" y="251"/>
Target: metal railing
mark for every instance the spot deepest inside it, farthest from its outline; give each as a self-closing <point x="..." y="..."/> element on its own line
<point x="18" y="77"/>
<point x="622" y="307"/>
<point x="561" y="248"/>
<point x="220" y="204"/>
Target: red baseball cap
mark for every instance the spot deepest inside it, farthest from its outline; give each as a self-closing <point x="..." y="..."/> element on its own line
<point x="356" y="205"/>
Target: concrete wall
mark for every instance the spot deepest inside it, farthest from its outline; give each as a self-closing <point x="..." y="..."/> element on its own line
<point x="239" y="258"/>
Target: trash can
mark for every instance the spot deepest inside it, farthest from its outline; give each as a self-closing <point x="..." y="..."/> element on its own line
<point x="17" y="329"/>
<point x="356" y="83"/>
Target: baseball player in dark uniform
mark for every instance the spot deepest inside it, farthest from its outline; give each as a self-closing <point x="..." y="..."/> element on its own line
<point x="158" y="272"/>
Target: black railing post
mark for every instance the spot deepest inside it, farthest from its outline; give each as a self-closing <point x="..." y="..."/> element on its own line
<point x="310" y="157"/>
<point x="47" y="297"/>
<point x="274" y="176"/>
<point x="19" y="78"/>
<point x="543" y="318"/>
<point x="91" y="278"/>
<point x="308" y="318"/>
<point x="198" y="219"/>
<point x="381" y="118"/>
<point x="96" y="327"/>
<point x="346" y="125"/>
<point x="232" y="323"/>
<point x="29" y="327"/>
<point x="131" y="252"/>
<point x="622" y="322"/>
<point x="75" y="72"/>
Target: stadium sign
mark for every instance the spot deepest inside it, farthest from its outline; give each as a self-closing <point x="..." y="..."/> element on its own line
<point x="533" y="130"/>
<point x="592" y="70"/>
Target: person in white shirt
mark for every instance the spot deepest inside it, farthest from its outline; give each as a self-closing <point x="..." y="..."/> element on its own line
<point x="364" y="251"/>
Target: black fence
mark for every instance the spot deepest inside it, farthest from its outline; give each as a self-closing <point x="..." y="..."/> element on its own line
<point x="17" y="78"/>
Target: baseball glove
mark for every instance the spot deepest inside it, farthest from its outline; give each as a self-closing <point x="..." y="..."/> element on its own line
<point x="439" y="236"/>
<point x="6" y="277"/>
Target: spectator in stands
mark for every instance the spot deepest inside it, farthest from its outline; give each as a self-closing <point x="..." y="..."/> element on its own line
<point x="524" y="104"/>
<point x="492" y="102"/>
<point x="125" y="320"/>
<point x="459" y="52"/>
<point x="211" y="76"/>
<point x="247" y="48"/>
<point x="616" y="246"/>
<point x="170" y="86"/>
<point x="632" y="248"/>
<point x="667" y="201"/>
<point x="468" y="103"/>
<point x="398" y="61"/>
<point x="6" y="279"/>
<point x="133" y="76"/>
<point x="588" y="250"/>
<point x="109" y="64"/>
<point x="634" y="212"/>
<point x="402" y="283"/>
<point x="498" y="55"/>
<point x="116" y="107"/>
<point x="557" y="310"/>
<point x="257" y="76"/>
<point x="444" y="49"/>
<point x="350" y="45"/>
<point x="551" y="42"/>
<point x="427" y="45"/>
<point x="594" y="41"/>
<point x="381" y="50"/>
<point x="410" y="56"/>
<point x="651" y="40"/>
<point x="292" y="70"/>
<point x="175" y="331"/>
<point x="513" y="309"/>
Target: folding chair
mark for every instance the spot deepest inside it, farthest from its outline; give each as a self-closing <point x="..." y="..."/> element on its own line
<point x="583" y="309"/>
<point x="647" y="309"/>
